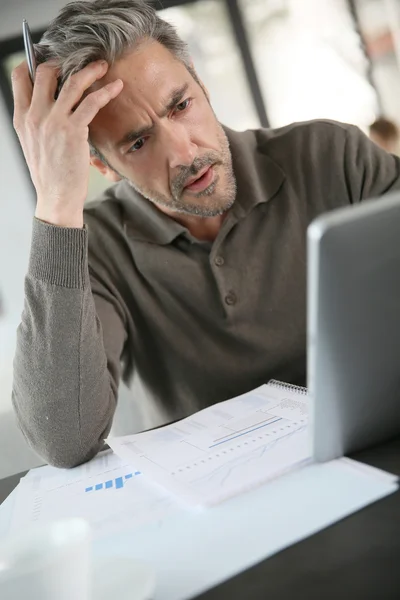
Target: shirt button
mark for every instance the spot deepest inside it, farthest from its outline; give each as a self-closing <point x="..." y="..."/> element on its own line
<point x="230" y="299"/>
<point x="219" y="261"/>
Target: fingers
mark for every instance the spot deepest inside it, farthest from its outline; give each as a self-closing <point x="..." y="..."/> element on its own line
<point x="90" y="106"/>
<point x="77" y="84"/>
<point x="44" y="88"/>
<point x="22" y="91"/>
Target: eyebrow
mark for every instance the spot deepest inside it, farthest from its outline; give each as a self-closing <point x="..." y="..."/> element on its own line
<point x="132" y="135"/>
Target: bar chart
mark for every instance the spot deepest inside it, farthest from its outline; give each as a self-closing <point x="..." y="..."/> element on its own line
<point x="117" y="483"/>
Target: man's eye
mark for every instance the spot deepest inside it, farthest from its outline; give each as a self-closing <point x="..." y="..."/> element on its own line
<point x="183" y="105"/>
<point x="137" y="145"/>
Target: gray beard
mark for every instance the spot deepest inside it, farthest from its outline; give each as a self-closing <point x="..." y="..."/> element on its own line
<point x="196" y="210"/>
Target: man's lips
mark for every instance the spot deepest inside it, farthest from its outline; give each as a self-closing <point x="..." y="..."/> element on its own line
<point x="202" y="180"/>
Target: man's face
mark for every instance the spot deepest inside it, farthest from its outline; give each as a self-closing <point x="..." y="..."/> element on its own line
<point x="161" y="134"/>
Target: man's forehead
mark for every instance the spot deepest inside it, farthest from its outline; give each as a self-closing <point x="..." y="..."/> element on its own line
<point x="151" y="75"/>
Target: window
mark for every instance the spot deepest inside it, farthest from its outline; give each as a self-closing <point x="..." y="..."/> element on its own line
<point x="309" y="61"/>
<point x="379" y="23"/>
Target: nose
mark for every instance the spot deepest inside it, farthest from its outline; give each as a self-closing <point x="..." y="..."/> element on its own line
<point x="181" y="151"/>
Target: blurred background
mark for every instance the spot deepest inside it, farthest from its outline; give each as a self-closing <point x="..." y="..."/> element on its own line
<point x="265" y="62"/>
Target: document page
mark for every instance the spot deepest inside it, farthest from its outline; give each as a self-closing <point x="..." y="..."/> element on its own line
<point x="108" y="493"/>
<point x="225" y="449"/>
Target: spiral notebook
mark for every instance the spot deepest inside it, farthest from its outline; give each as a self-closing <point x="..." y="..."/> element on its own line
<point x="227" y="448"/>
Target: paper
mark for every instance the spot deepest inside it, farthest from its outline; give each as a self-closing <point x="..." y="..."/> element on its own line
<point x="224" y="449"/>
<point x="109" y="494"/>
<point x="192" y="551"/>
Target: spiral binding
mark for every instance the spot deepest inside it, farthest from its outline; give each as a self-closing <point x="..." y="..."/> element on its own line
<point x="288" y="387"/>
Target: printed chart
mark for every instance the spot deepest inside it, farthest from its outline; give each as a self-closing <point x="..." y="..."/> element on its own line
<point x="226" y="448"/>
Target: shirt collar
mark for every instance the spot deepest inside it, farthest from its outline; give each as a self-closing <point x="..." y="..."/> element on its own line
<point x="142" y="220"/>
<point x="258" y="179"/>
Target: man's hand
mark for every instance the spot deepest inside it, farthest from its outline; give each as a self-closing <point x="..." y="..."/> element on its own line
<point x="54" y="136"/>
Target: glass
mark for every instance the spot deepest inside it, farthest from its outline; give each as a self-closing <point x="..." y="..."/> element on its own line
<point x="309" y="61"/>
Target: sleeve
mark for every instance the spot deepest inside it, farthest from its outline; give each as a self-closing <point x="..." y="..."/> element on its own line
<point x="370" y="171"/>
<point x="69" y="344"/>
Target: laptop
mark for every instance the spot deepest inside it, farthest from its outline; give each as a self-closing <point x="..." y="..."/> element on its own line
<point x="354" y="327"/>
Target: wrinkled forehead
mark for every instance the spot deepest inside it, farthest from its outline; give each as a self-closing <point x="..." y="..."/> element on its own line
<point x="150" y="75"/>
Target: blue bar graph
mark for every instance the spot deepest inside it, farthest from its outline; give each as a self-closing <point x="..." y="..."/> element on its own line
<point x="118" y="482"/>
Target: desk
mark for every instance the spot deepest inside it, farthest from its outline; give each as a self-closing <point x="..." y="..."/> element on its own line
<point x="8" y="484"/>
<point x="357" y="558"/>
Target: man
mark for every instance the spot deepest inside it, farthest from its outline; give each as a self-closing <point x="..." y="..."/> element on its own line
<point x="385" y="133"/>
<point x="191" y="270"/>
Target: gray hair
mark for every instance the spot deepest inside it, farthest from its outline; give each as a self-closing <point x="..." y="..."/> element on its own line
<point x="89" y="30"/>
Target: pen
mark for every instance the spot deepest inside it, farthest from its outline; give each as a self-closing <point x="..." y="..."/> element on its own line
<point x="29" y="50"/>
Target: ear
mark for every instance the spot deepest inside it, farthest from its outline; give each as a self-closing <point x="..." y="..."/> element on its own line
<point x="104" y="169"/>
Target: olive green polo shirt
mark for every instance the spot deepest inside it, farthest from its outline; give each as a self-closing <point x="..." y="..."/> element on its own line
<point x="197" y="322"/>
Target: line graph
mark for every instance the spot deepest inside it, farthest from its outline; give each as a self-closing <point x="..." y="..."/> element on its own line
<point x="261" y="455"/>
<point x="269" y="422"/>
<point x="245" y="440"/>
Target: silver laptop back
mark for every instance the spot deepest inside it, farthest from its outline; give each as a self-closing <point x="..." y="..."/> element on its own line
<point x="354" y="327"/>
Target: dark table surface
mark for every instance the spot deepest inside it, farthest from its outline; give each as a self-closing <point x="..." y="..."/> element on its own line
<point x="357" y="558"/>
<point x="8" y="484"/>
